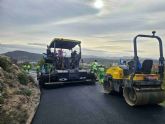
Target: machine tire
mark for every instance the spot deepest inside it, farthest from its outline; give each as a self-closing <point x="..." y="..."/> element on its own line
<point x="93" y="79"/>
<point x="134" y="98"/>
<point x="108" y="86"/>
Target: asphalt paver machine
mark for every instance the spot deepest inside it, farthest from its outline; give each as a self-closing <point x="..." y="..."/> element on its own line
<point x="62" y="64"/>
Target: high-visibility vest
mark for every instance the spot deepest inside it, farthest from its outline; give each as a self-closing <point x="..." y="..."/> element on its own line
<point x="28" y="66"/>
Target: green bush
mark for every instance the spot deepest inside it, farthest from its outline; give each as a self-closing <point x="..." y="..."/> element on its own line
<point x="5" y="63"/>
<point x="41" y="62"/>
<point x="5" y="118"/>
<point x="23" y="78"/>
<point x="14" y="117"/>
<point x="31" y="79"/>
<point x="25" y="91"/>
<point x="1" y="100"/>
<point x="1" y="85"/>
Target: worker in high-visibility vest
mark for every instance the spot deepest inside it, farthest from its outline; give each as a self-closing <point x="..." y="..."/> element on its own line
<point x="101" y="74"/>
<point x="94" y="67"/>
<point x="28" y="67"/>
<point x="24" y="67"/>
<point x="47" y="68"/>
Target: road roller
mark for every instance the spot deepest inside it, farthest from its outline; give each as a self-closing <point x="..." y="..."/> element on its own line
<point x="136" y="80"/>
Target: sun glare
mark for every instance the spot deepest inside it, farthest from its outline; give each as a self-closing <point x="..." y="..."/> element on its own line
<point x="98" y="4"/>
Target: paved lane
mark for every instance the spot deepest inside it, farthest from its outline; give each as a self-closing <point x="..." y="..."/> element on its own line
<point x="85" y="104"/>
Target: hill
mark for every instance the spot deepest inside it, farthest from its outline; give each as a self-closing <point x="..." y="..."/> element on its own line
<point x="34" y="57"/>
<point x="24" y="56"/>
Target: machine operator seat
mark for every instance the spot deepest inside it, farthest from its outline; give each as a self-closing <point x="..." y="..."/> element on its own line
<point x="131" y="66"/>
<point x="147" y="66"/>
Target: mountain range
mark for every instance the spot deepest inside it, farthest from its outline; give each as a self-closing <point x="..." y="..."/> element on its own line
<point x="23" y="56"/>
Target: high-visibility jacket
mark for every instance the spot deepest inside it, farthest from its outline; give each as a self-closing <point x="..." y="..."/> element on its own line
<point x="38" y="68"/>
<point x="94" y="66"/>
<point x="28" y="66"/>
<point x="101" y="74"/>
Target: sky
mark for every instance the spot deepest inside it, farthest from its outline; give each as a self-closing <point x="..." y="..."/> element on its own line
<point x="105" y="27"/>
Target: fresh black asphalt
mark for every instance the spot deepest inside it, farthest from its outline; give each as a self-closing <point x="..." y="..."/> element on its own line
<point x="86" y="104"/>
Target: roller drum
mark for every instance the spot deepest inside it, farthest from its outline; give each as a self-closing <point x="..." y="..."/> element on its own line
<point x="134" y="97"/>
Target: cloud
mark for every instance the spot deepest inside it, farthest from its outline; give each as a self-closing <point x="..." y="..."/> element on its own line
<point x="37" y="44"/>
<point x="101" y="53"/>
<point x="36" y="23"/>
<point x="40" y="11"/>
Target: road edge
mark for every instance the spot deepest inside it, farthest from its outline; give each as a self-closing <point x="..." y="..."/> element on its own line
<point x="34" y="110"/>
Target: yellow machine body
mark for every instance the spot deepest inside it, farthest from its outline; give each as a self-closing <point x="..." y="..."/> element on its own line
<point x="117" y="73"/>
<point x="151" y="96"/>
<point x="141" y="77"/>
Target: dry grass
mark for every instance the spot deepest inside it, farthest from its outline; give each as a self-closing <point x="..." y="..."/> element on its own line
<point x="18" y="94"/>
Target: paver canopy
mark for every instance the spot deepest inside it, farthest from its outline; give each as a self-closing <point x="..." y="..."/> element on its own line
<point x="64" y="43"/>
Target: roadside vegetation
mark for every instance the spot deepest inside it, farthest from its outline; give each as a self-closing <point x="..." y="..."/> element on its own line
<point x="18" y="93"/>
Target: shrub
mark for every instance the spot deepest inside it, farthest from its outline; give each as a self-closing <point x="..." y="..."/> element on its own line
<point x="14" y="117"/>
<point x="1" y="72"/>
<point x="31" y="79"/>
<point x="25" y="91"/>
<point x="41" y="62"/>
<point x="1" y="85"/>
<point x="1" y="100"/>
<point x="5" y="118"/>
<point x="5" y="63"/>
<point x="23" y="78"/>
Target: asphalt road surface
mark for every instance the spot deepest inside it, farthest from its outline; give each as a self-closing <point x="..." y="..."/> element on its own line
<point x="86" y="104"/>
